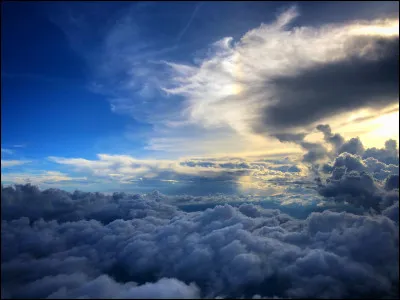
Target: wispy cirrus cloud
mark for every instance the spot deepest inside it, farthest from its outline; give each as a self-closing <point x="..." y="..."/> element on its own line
<point x="184" y="29"/>
<point x="6" y="151"/>
<point x="12" y="163"/>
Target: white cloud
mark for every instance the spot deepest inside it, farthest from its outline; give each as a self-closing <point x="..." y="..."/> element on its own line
<point x="125" y="168"/>
<point x="40" y="178"/>
<point x="215" y="95"/>
<point x="6" y="151"/>
<point x="218" y="90"/>
<point x="12" y="163"/>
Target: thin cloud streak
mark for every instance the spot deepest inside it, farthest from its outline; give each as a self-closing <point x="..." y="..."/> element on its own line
<point x="12" y="163"/>
<point x="183" y="31"/>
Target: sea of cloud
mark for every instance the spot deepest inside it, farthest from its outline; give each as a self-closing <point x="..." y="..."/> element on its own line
<point x="58" y="244"/>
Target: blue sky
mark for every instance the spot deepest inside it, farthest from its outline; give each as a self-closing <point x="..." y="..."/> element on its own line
<point x="142" y="82"/>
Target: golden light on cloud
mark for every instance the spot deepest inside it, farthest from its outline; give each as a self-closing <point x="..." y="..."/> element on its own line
<point x="234" y="89"/>
<point x="386" y="127"/>
<point x="387" y="28"/>
<point x="375" y="131"/>
<point x="373" y="127"/>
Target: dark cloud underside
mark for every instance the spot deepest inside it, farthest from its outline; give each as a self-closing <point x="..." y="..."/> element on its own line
<point x="335" y="88"/>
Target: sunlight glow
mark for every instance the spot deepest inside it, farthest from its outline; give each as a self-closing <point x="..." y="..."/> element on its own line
<point x="389" y="28"/>
<point x="382" y="128"/>
<point x="388" y="125"/>
<point x="231" y="89"/>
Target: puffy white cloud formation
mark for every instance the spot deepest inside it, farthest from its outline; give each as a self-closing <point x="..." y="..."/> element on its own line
<point x="88" y="245"/>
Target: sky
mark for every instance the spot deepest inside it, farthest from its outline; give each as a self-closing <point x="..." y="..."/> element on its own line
<point x="200" y="149"/>
<point x="90" y="85"/>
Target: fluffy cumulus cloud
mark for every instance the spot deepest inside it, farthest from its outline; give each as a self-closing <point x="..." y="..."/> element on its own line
<point x="57" y="244"/>
<point x="363" y="177"/>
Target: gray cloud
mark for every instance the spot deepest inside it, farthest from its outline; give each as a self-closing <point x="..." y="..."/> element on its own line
<point x="135" y="246"/>
<point x="336" y="140"/>
<point x="315" y="151"/>
<point x="366" y="178"/>
<point x="336" y="87"/>
<point x="361" y="182"/>
<point x="353" y="146"/>
<point x="392" y="182"/>
<point x="388" y="155"/>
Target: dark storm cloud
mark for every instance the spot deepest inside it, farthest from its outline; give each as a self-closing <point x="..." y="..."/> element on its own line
<point x="337" y="87"/>
<point x="223" y="251"/>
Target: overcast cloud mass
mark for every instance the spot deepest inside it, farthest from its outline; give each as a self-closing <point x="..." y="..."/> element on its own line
<point x="200" y="150"/>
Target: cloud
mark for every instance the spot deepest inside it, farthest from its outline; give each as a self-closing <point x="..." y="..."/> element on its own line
<point x="92" y="245"/>
<point x="281" y="71"/>
<point x="353" y="146"/>
<point x="129" y="167"/>
<point x="274" y="77"/>
<point x="196" y="176"/>
<point x="366" y="178"/>
<point x="6" y="151"/>
<point x="363" y="180"/>
<point x="12" y="163"/>
<point x="389" y="155"/>
<point x="392" y="182"/>
<point x="184" y="29"/>
<point x="45" y="179"/>
<point x="78" y="285"/>
<point x="336" y="140"/>
<point x="362" y="82"/>
<point x="315" y="151"/>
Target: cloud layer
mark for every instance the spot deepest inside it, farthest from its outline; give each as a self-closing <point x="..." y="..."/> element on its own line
<point x="59" y="244"/>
